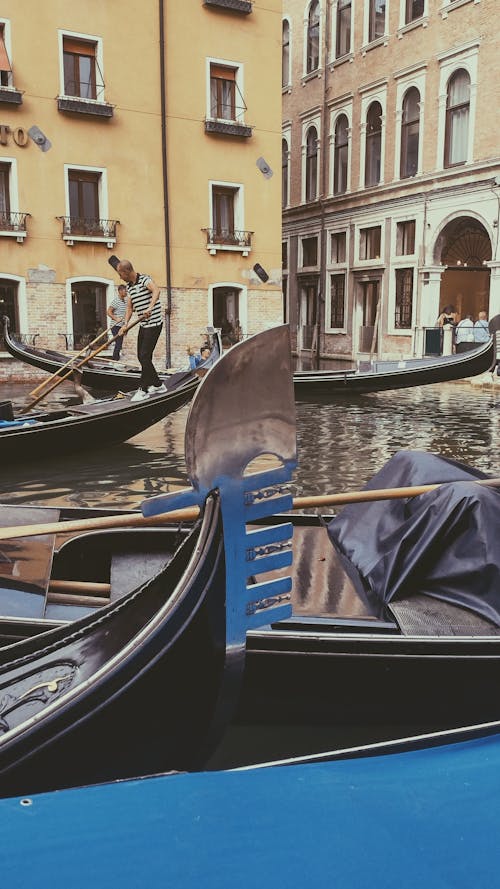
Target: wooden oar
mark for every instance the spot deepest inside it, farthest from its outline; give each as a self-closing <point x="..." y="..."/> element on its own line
<point x="71" y="361"/>
<point x="191" y="513"/>
<point x="76" y="367"/>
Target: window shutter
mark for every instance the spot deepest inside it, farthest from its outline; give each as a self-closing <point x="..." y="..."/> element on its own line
<point x="4" y="59"/>
<point x="78" y="47"/>
<point x="223" y="73"/>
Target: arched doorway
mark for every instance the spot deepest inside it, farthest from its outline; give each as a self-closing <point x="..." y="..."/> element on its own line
<point x="88" y="306"/>
<point x="464" y="247"/>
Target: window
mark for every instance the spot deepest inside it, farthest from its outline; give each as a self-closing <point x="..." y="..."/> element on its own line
<point x="311" y="164"/>
<point x="312" y="61"/>
<point x="83" y="189"/>
<point x="284" y="254"/>
<point x="285" y="161"/>
<point x="457" y="119"/>
<point x="88" y="303"/>
<point x="410" y="128"/>
<point x="5" y="66"/>
<point x="373" y="154"/>
<point x="226" y="214"/>
<point x="285" y="58"/>
<point x="337" y="300"/>
<point x="338" y="247"/>
<point x="79" y="62"/>
<point x="9" y="305"/>
<point x="343" y="30"/>
<point x="340" y="155"/>
<point x="223" y="213"/>
<point x="309" y="251"/>
<point x="376" y="21"/>
<point x="222" y="92"/>
<point x="4" y="194"/>
<point x="404" y="299"/>
<point x="369" y="242"/>
<point x="405" y="238"/>
<point x="414" y="10"/>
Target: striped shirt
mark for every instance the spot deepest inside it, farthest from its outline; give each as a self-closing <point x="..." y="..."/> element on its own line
<point x="119" y="307"/>
<point x="140" y="297"/>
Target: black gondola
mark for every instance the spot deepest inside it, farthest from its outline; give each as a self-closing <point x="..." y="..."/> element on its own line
<point x="98" y="424"/>
<point x="97" y="374"/>
<point x="149" y="682"/>
<point x="377" y="376"/>
<point x="380" y="376"/>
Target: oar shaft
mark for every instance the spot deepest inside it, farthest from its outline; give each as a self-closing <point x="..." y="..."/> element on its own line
<point x="80" y="587"/>
<point x="68" y="363"/>
<point x="191" y="513"/>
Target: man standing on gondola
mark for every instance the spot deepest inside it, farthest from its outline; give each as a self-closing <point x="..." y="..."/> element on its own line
<point x="144" y="299"/>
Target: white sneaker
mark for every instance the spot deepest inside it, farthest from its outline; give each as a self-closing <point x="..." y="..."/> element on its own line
<point x="140" y="395"/>
<point x="157" y="390"/>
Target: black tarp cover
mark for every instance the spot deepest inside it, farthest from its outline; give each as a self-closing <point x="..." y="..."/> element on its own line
<point x="444" y="544"/>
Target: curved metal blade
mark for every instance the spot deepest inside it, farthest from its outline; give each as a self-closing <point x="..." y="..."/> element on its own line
<point x="243" y="408"/>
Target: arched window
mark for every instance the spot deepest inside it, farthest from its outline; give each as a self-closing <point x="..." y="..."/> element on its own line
<point x="343" y="28"/>
<point x="457" y="119"/>
<point x="373" y="154"/>
<point x="410" y="127"/>
<point x="376" y="22"/>
<point x="284" y="172"/>
<point x="285" y="54"/>
<point x="311" y="164"/>
<point x="340" y="155"/>
<point x="313" y="37"/>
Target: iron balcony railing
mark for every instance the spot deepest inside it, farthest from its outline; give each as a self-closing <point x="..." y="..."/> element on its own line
<point x="228" y="238"/>
<point x="243" y="6"/>
<point x="88" y="227"/>
<point x="13" y="222"/>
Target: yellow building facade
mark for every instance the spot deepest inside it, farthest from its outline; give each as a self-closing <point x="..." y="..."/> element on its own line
<point x="153" y="135"/>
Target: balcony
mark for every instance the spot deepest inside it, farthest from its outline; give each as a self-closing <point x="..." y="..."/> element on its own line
<point x="227" y="127"/>
<point x="10" y="96"/>
<point x="227" y="239"/>
<point x="77" y="228"/>
<point x="13" y="225"/>
<point x="88" y="107"/>
<point x="242" y="6"/>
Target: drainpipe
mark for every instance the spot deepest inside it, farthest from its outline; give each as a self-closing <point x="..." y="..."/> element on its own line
<point x="166" y="220"/>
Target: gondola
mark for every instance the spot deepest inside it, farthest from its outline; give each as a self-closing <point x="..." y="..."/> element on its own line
<point x="380" y="376"/>
<point x="148" y="682"/>
<point x="84" y="426"/>
<point x="373" y="376"/>
<point x="423" y="812"/>
<point x="98" y="374"/>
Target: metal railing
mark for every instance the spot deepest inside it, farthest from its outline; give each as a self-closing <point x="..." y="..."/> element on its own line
<point x="13" y="222"/>
<point x="88" y="227"/>
<point x="228" y="237"/>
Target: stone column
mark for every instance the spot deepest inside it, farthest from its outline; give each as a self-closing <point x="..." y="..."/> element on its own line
<point x="494" y="307"/>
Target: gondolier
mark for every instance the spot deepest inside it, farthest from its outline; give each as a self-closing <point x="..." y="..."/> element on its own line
<point x="145" y="300"/>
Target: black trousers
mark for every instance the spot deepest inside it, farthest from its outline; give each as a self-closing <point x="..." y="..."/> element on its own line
<point x="117" y="345"/>
<point x="146" y="342"/>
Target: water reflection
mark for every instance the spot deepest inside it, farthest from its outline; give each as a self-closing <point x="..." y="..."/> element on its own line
<point x="340" y="446"/>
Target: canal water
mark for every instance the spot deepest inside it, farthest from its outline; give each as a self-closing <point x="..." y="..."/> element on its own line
<point x="340" y="446"/>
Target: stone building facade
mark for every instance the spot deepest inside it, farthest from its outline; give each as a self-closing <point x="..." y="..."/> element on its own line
<point x="390" y="171"/>
<point x="157" y="142"/>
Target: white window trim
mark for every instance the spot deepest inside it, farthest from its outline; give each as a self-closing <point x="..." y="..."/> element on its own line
<point x="237" y="67"/>
<point x="8" y="46"/>
<point x="368" y="96"/>
<point x="239" y="216"/>
<point x="306" y="125"/>
<point x="335" y="114"/>
<point x="449" y="5"/>
<point x="421" y="21"/>
<point x="305" y="73"/>
<point x="367" y="44"/>
<point x="14" y="200"/>
<point x="417" y="80"/>
<point x="22" y="302"/>
<point x="243" y="302"/>
<point x="300" y="258"/>
<point x="286" y="86"/>
<point x="287" y="136"/>
<point x="392" y="330"/>
<point x="79" y="279"/>
<point x="405" y="259"/>
<point x="465" y="57"/>
<point x="334" y="59"/>
<point x="91" y="38"/>
<point x="336" y="268"/>
<point x="103" y="203"/>
<point x="368" y="263"/>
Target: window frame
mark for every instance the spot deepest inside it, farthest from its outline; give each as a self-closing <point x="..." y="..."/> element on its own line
<point x="238" y="69"/>
<point x="237" y="189"/>
<point x="313" y="236"/>
<point x="375" y="137"/>
<point x="311" y="167"/>
<point x="285" y="177"/>
<point x="340" y="29"/>
<point x="464" y="57"/>
<point x="405" y="135"/>
<point x="13" y="200"/>
<point x="336" y="158"/>
<point x="102" y="193"/>
<point x="451" y="112"/>
<point x="286" y="69"/>
<point x="309" y="67"/>
<point x="398" y="272"/>
<point x="371" y="36"/>
<point x="6" y="77"/>
<point x="97" y="42"/>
